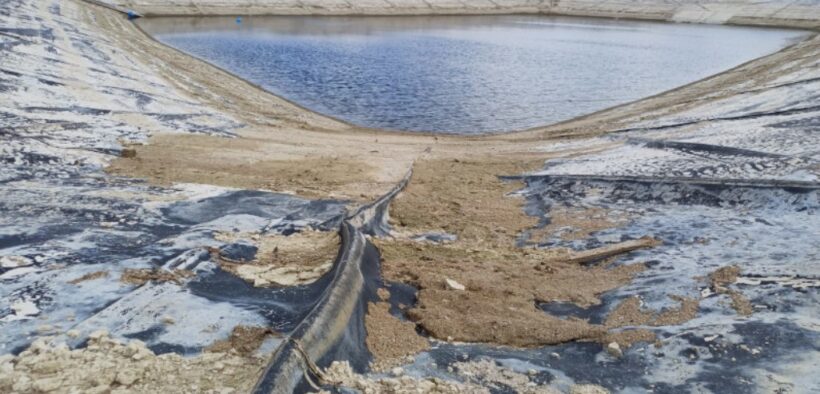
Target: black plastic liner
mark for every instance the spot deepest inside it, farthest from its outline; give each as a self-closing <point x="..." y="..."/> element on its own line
<point x="334" y="328"/>
<point x="680" y="191"/>
<point x="328" y="334"/>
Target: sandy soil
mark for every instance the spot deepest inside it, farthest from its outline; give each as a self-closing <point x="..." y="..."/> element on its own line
<point x="139" y="277"/>
<point x="243" y="340"/>
<point x="629" y="313"/>
<point x="719" y="283"/>
<point x="89" y="276"/>
<point x="502" y="290"/>
<point x="464" y="196"/>
<point x="297" y="259"/>
<point x="389" y="339"/>
<point x="109" y="366"/>
<point x="313" y="177"/>
<point x="503" y="283"/>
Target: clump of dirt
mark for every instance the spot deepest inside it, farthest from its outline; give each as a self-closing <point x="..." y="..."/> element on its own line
<point x="487" y="373"/>
<point x="723" y="276"/>
<point x="340" y="374"/>
<point x="296" y="259"/>
<point x="139" y="277"/>
<point x="107" y="365"/>
<point x="627" y="338"/>
<point x="89" y="276"/>
<point x="263" y="276"/>
<point x="630" y="313"/>
<point x="740" y="303"/>
<point x="719" y="283"/>
<point x="244" y="340"/>
<point x="391" y="341"/>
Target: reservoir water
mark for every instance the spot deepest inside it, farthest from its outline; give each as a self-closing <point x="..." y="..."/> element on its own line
<point x="463" y="74"/>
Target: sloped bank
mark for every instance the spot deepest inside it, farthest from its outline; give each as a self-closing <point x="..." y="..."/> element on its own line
<point x="804" y="14"/>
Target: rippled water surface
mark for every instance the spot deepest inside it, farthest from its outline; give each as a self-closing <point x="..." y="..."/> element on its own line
<point x="464" y="75"/>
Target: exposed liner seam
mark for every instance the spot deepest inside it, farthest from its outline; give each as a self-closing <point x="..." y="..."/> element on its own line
<point x="686" y="147"/>
<point x="752" y="183"/>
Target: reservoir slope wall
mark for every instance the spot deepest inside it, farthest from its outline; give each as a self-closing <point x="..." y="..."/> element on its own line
<point x="799" y="13"/>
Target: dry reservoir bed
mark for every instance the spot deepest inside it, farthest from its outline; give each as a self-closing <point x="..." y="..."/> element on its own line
<point x="666" y="245"/>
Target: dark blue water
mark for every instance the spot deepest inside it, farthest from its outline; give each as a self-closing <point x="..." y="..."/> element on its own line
<point x="465" y="75"/>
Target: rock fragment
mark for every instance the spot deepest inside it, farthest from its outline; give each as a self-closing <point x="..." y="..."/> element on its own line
<point x="15" y="262"/>
<point x="614" y="349"/>
<point x="587" y="389"/>
<point x="453" y="285"/>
